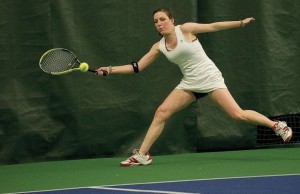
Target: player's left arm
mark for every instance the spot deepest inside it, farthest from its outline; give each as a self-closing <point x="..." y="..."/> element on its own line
<point x="196" y="28"/>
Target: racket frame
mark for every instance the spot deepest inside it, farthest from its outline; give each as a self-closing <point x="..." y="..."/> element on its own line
<point x="69" y="70"/>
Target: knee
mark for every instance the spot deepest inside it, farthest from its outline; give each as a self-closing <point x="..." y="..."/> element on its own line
<point x="162" y="113"/>
<point x="238" y="115"/>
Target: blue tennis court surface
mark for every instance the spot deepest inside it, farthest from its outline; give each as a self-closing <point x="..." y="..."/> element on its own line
<point x="281" y="184"/>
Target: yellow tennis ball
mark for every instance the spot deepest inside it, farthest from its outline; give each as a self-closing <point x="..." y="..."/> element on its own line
<point x="84" y="67"/>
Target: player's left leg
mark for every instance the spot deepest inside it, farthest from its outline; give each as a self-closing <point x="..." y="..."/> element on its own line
<point x="227" y="102"/>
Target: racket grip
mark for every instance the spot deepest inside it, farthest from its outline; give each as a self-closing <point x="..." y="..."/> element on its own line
<point x="105" y="73"/>
<point x="92" y="70"/>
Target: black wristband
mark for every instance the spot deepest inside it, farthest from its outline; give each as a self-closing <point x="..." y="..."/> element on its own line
<point x="135" y="67"/>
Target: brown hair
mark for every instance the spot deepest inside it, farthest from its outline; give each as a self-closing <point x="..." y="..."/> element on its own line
<point x="167" y="11"/>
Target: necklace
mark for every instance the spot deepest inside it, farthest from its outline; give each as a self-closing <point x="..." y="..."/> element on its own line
<point x="171" y="45"/>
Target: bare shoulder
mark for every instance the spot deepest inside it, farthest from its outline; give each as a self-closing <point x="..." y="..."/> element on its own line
<point x="195" y="28"/>
<point x="154" y="50"/>
<point x="155" y="46"/>
<point x="187" y="27"/>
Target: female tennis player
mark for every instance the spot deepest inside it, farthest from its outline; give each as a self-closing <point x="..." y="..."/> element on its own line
<point x="201" y="77"/>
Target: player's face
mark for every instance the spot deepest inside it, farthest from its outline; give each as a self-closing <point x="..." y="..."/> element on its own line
<point x="163" y="23"/>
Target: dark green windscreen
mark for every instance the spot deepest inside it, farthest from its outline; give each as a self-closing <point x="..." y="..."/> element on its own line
<point x="44" y="117"/>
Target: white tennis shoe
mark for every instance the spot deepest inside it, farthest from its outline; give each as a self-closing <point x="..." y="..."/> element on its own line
<point x="137" y="159"/>
<point x="281" y="129"/>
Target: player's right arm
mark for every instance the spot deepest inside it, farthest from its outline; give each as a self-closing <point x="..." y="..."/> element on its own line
<point x="144" y="62"/>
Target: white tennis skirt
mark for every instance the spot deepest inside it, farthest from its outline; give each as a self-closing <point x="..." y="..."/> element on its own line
<point x="202" y="84"/>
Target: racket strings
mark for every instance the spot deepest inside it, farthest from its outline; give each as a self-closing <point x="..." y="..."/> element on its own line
<point x="57" y="60"/>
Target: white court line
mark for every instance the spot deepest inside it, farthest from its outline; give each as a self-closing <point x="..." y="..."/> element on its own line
<point x="190" y="180"/>
<point x="141" y="191"/>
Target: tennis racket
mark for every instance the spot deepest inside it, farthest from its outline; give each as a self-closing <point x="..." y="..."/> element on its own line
<point x="59" y="61"/>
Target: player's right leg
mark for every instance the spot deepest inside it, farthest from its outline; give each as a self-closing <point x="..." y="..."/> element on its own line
<point x="177" y="100"/>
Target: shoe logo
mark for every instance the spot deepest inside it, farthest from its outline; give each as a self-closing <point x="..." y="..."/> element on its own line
<point x="286" y="129"/>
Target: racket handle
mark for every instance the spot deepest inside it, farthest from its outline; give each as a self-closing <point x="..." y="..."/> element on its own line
<point x="92" y="70"/>
<point x="105" y="73"/>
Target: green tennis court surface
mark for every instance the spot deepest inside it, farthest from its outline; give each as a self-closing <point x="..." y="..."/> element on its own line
<point x="102" y="172"/>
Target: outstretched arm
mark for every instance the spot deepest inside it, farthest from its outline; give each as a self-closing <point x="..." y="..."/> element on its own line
<point x="146" y="60"/>
<point x="195" y="28"/>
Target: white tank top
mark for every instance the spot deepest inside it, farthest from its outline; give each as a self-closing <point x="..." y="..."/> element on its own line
<point x="200" y="74"/>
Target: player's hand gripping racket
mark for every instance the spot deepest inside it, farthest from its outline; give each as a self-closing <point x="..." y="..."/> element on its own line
<point x="59" y="61"/>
